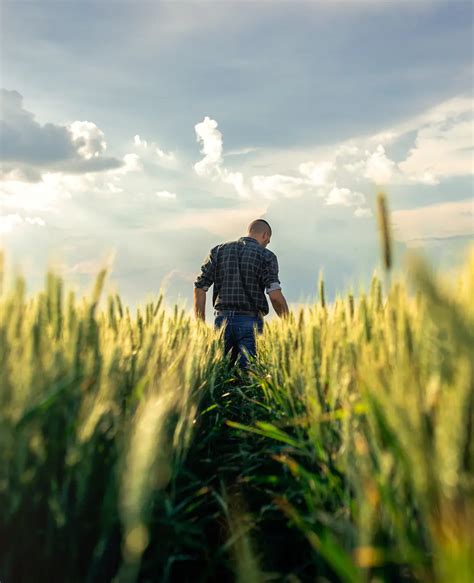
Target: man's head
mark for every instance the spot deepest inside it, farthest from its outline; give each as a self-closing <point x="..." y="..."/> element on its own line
<point x="261" y="231"/>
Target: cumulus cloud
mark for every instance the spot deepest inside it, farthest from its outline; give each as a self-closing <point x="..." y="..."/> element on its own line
<point x="386" y="137"/>
<point x="316" y="184"/>
<point x="355" y="167"/>
<point x="319" y="174"/>
<point x="378" y="168"/>
<point x="55" y="187"/>
<point x="442" y="149"/>
<point x="347" y="149"/>
<point x="166" y="194"/>
<point x="339" y="175"/>
<point x="91" y="138"/>
<point x="450" y="109"/>
<point x="166" y="156"/>
<point x="424" y="177"/>
<point x="10" y="221"/>
<point x="344" y="197"/>
<point x="35" y="196"/>
<point x="154" y="152"/>
<point x="443" y="146"/>
<point x="131" y="163"/>
<point x="35" y="221"/>
<point x="25" y="140"/>
<point x="236" y="179"/>
<point x="29" y="149"/>
<point x="319" y="181"/>
<point x="210" y="139"/>
<point x="279" y="186"/>
<point x="316" y="177"/>
<point x="24" y="174"/>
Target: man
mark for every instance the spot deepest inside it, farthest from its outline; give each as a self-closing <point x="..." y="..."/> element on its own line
<point x="240" y="271"/>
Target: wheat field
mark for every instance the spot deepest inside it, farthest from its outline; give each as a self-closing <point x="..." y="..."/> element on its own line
<point x="132" y="451"/>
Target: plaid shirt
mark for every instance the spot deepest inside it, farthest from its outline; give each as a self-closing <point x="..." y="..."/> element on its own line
<point x="258" y="270"/>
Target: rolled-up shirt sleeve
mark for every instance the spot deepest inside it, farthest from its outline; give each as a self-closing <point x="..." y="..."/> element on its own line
<point x="270" y="279"/>
<point x="208" y="271"/>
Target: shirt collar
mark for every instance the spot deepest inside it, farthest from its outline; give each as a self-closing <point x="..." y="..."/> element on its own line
<point x="249" y="240"/>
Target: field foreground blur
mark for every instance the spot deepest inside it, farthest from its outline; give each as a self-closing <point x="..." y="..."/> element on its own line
<point x="132" y="452"/>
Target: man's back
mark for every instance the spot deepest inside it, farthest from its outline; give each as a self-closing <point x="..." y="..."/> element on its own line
<point x="241" y="271"/>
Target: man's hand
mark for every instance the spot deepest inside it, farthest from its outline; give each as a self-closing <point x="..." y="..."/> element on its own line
<point x="200" y="304"/>
<point x="279" y="303"/>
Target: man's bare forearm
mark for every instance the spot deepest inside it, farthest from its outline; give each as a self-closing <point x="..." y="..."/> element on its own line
<point x="281" y="308"/>
<point x="279" y="303"/>
<point x="200" y="304"/>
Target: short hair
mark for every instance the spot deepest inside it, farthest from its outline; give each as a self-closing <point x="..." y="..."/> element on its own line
<point x="260" y="226"/>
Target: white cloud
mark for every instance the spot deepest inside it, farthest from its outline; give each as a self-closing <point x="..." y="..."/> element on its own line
<point x="211" y="139"/>
<point x="319" y="174"/>
<point x="240" y="152"/>
<point x="11" y="221"/>
<point x="446" y="219"/>
<point x="165" y="194"/>
<point x="221" y="222"/>
<point x="30" y="149"/>
<point x="139" y="142"/>
<point x="56" y="186"/>
<point x="443" y="146"/>
<point x="450" y="109"/>
<point x="236" y="179"/>
<point x="347" y="149"/>
<point x="166" y="156"/>
<point x="278" y="185"/>
<point x="317" y="184"/>
<point x="444" y="142"/>
<point x="424" y="177"/>
<point x="131" y="163"/>
<point x="386" y="137"/>
<point x="112" y="188"/>
<point x="90" y="138"/>
<point x="363" y="212"/>
<point x="153" y="152"/>
<point x="378" y="168"/>
<point x="34" y="196"/>
<point x="212" y="164"/>
<point x="344" y="197"/>
<point x="318" y="177"/>
<point x="35" y="221"/>
<point x="355" y="167"/>
<point x="442" y="149"/>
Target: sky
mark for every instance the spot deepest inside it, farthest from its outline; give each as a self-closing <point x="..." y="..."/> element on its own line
<point x="140" y="134"/>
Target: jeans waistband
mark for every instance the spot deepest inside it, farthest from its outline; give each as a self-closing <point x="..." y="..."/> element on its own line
<point x="237" y="313"/>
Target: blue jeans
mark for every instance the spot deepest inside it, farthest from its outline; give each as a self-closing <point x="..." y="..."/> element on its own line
<point x="239" y="333"/>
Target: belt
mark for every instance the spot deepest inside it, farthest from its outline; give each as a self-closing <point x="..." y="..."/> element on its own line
<point x="237" y="312"/>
